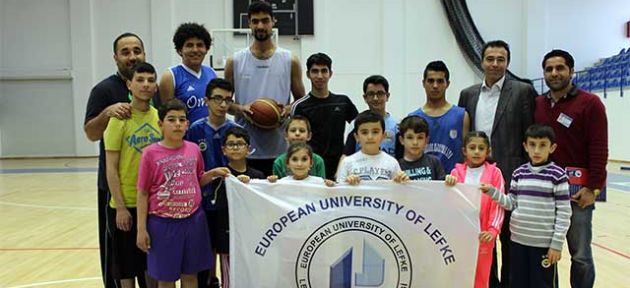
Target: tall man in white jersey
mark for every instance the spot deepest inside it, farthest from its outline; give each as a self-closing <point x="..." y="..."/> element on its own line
<point x="263" y="70"/>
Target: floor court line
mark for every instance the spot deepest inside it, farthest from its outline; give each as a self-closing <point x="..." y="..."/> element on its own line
<point x="56" y="282"/>
<point x="611" y="250"/>
<point x="47" y="170"/>
<point x="47" y="249"/>
<point x="52" y="207"/>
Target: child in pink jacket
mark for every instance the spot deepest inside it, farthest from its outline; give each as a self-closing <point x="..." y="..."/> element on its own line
<point x="476" y="170"/>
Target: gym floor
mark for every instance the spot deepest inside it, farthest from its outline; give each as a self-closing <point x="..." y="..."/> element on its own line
<point x="48" y="235"/>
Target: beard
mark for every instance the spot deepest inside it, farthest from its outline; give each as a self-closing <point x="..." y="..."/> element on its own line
<point x="126" y="71"/>
<point x="262" y="35"/>
<point x="558" y="86"/>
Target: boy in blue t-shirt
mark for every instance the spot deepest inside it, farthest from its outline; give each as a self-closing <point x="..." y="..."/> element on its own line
<point x="209" y="133"/>
<point x="376" y="95"/>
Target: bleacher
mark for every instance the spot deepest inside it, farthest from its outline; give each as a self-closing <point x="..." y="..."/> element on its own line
<point x="609" y="73"/>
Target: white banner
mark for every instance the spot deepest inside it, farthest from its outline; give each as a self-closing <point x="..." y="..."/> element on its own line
<point x="375" y="234"/>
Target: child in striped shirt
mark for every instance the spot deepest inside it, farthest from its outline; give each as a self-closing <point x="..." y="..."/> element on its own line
<point x="541" y="212"/>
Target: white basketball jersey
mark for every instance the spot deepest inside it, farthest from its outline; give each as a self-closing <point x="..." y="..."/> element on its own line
<point x="269" y="78"/>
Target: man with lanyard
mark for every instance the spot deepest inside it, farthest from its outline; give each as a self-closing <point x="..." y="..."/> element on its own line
<point x="579" y="120"/>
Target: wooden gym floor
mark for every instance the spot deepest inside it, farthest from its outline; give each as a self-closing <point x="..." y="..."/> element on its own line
<point x="48" y="230"/>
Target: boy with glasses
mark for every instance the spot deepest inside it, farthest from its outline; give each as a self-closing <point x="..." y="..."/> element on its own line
<point x="208" y="133"/>
<point x="235" y="148"/>
<point x="376" y="95"/>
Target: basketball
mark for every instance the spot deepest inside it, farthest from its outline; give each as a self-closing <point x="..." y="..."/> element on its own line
<point x="266" y="113"/>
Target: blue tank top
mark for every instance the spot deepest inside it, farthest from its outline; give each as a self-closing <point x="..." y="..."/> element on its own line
<point x="190" y="87"/>
<point x="445" y="136"/>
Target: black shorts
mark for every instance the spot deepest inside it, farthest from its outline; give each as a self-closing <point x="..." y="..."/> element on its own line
<point x="219" y="229"/>
<point x="128" y="261"/>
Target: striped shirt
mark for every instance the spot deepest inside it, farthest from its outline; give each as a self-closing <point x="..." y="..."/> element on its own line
<point x="539" y="199"/>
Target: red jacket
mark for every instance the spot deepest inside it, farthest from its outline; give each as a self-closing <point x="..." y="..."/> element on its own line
<point x="490" y="213"/>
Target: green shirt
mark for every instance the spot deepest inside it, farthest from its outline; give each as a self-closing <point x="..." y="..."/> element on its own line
<point x="129" y="137"/>
<point x="280" y="166"/>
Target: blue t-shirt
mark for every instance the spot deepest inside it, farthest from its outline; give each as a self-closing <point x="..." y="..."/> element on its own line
<point x="210" y="141"/>
<point x="445" y="135"/>
<point x="190" y="87"/>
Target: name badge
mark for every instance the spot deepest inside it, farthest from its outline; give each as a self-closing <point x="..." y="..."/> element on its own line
<point x="565" y="120"/>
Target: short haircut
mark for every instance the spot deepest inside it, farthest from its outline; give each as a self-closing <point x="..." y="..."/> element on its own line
<point x="376" y="79"/>
<point x="259" y="6"/>
<point x="437" y="66"/>
<point x="540" y="131"/>
<point x="125" y="35"/>
<point x="237" y="132"/>
<point x="190" y="30"/>
<point x="417" y="124"/>
<point x="476" y="134"/>
<point x="173" y="104"/>
<point x="496" y="44"/>
<point x="368" y="116"/>
<point x="568" y="59"/>
<point x="143" y="67"/>
<point x="319" y="59"/>
<point x="218" y="83"/>
<point x="295" y="147"/>
<point x="298" y="118"/>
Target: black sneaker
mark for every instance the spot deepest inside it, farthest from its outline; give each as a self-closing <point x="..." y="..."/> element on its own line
<point x="214" y="283"/>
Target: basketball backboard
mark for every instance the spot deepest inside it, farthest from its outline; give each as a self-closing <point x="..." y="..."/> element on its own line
<point x="227" y="41"/>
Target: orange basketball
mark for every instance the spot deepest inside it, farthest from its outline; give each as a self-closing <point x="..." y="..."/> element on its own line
<point x="266" y="113"/>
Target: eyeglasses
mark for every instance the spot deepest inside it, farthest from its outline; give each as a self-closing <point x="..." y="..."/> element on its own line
<point x="378" y="94"/>
<point x="218" y="100"/>
<point x="235" y="145"/>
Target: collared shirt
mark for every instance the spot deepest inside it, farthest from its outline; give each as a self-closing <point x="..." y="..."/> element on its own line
<point x="571" y="93"/>
<point x="487" y="106"/>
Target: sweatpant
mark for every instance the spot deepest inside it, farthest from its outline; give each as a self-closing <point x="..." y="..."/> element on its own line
<point x="484" y="262"/>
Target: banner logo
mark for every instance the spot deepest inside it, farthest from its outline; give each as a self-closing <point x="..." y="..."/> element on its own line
<point x="379" y="248"/>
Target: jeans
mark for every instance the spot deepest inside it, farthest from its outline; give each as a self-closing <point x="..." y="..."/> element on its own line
<point x="579" y="239"/>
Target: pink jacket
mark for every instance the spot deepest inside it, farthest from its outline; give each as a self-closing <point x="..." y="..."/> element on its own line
<point x="490" y="213"/>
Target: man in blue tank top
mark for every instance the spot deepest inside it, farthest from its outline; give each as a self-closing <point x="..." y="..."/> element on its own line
<point x="263" y="71"/>
<point x="447" y="123"/>
<point x="188" y="81"/>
